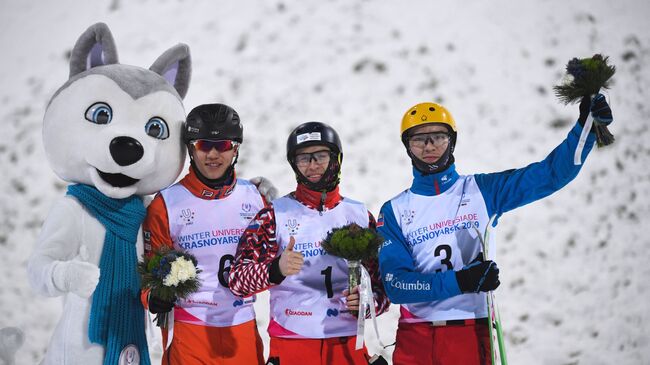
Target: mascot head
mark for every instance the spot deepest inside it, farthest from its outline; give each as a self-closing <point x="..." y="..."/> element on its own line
<point x="118" y="127"/>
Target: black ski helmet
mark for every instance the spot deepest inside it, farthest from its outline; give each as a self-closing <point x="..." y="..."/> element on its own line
<point x="316" y="134"/>
<point x="213" y="121"/>
<point x="312" y="134"/>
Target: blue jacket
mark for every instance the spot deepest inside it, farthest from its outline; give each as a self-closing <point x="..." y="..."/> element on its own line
<point x="434" y="211"/>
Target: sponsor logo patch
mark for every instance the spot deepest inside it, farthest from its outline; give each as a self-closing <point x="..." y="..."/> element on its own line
<point x="416" y="286"/>
<point x="332" y="312"/>
<point x="305" y="137"/>
<point x="291" y="312"/>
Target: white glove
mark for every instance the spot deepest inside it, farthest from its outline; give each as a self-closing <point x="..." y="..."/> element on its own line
<point x="78" y="277"/>
<point x="265" y="187"/>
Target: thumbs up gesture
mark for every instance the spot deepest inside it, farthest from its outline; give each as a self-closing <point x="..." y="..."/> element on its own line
<point x="291" y="261"/>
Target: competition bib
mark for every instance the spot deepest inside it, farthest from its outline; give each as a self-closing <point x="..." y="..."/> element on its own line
<point x="310" y="304"/>
<point x="441" y="233"/>
<point x="210" y="230"/>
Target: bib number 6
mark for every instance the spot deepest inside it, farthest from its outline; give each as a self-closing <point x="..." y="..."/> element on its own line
<point x="224" y="269"/>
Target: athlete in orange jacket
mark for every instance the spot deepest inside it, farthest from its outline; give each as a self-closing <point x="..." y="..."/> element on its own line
<point x="205" y="214"/>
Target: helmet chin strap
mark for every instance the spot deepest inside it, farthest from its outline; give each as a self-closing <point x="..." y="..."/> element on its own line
<point x="446" y="160"/>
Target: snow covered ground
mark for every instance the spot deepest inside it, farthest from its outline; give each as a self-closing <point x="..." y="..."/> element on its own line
<point x="574" y="267"/>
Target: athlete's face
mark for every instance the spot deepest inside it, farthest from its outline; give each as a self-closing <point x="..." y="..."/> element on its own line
<point x="429" y="142"/>
<point x="312" y="162"/>
<point x="213" y="163"/>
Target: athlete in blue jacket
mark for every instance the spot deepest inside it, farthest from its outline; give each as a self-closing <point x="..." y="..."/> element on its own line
<point x="431" y="260"/>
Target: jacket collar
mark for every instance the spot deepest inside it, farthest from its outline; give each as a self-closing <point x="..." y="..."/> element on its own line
<point x="192" y="183"/>
<point x="433" y="184"/>
<point x="315" y="199"/>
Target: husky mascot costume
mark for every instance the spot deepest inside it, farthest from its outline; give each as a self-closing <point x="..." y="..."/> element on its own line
<point x="114" y="132"/>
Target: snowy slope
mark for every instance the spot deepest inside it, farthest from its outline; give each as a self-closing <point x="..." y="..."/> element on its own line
<point x="574" y="266"/>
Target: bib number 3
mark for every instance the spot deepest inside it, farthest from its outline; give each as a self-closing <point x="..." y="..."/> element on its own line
<point x="446" y="260"/>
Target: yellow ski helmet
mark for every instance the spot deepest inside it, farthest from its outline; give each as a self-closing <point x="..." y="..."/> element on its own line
<point x="425" y="113"/>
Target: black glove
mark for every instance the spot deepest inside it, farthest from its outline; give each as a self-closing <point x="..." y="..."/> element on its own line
<point x="158" y="305"/>
<point x="599" y="109"/>
<point x="478" y="276"/>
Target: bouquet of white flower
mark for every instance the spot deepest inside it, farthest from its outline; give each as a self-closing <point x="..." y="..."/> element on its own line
<point x="170" y="275"/>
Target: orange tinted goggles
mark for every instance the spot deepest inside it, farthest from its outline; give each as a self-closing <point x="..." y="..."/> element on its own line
<point x="206" y="145"/>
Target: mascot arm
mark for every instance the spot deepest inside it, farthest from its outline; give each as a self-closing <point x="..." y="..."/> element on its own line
<point x="266" y="188"/>
<point x="59" y="243"/>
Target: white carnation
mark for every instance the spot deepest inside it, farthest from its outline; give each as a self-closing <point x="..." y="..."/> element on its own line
<point x="568" y="79"/>
<point x="182" y="270"/>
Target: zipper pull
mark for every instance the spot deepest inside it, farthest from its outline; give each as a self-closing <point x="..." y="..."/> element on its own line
<point x="321" y="207"/>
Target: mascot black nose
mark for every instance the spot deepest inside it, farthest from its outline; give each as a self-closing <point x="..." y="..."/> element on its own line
<point x="126" y="150"/>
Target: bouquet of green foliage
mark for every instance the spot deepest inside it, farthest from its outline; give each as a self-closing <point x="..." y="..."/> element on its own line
<point x="354" y="244"/>
<point x="169" y="274"/>
<point x="585" y="77"/>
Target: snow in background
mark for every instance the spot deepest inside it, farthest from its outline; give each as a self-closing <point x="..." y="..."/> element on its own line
<point x="574" y="267"/>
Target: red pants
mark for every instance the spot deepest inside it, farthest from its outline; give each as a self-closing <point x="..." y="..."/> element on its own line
<point x="424" y="344"/>
<point x="201" y="345"/>
<point x="327" y="351"/>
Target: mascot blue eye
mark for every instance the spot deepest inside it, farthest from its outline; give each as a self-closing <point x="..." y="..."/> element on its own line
<point x="99" y="113"/>
<point x="157" y="128"/>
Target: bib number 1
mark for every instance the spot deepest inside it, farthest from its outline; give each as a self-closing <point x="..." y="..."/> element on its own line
<point x="328" y="281"/>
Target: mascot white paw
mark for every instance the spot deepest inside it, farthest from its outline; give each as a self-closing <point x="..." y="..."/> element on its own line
<point x="114" y="132"/>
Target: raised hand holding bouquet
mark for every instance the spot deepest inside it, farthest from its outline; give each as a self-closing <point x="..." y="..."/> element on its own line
<point x="582" y="83"/>
<point x="168" y="275"/>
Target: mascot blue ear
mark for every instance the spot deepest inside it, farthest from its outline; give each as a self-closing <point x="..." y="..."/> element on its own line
<point x="95" y="47"/>
<point x="175" y="65"/>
